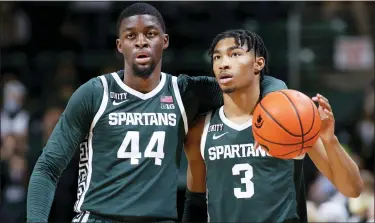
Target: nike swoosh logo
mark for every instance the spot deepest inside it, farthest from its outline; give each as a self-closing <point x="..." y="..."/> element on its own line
<point x="120" y="102"/>
<point x="218" y="136"/>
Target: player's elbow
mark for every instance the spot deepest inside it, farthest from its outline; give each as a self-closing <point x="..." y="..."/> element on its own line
<point x="357" y="189"/>
<point x="46" y="168"/>
<point x="353" y="189"/>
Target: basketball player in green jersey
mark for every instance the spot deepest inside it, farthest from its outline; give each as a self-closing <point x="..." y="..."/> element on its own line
<point x="243" y="183"/>
<point x="129" y="126"/>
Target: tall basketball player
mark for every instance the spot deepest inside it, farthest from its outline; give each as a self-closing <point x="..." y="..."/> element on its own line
<point x="243" y="183"/>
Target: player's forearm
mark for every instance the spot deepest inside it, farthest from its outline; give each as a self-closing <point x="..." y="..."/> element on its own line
<point x="41" y="191"/>
<point x="49" y="167"/>
<point x="345" y="172"/>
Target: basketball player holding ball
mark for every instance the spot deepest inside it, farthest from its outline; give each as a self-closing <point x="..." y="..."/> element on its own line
<point x="246" y="184"/>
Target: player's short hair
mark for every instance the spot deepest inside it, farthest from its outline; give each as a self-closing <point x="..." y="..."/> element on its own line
<point x="140" y="9"/>
<point x="241" y="36"/>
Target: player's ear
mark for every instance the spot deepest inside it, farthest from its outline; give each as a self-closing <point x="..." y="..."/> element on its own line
<point x="259" y="64"/>
<point x="165" y="41"/>
<point x="118" y="44"/>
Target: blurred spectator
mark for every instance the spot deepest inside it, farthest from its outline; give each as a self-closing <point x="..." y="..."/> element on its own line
<point x="321" y="190"/>
<point x="359" y="207"/>
<point x="13" y="205"/>
<point x="8" y="147"/>
<point x="7" y="150"/>
<point x="363" y="141"/>
<point x="14" y="119"/>
<point x="312" y="212"/>
<point x="359" y="14"/>
<point x="62" y="85"/>
<point x="332" y="212"/>
<point x="42" y="131"/>
<point x="15" y="25"/>
<point x="370" y="211"/>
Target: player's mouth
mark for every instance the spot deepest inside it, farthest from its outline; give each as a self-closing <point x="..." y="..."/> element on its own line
<point x="225" y="78"/>
<point x="142" y="58"/>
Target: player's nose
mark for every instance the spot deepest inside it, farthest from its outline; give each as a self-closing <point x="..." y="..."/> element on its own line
<point x="141" y="42"/>
<point x="224" y="65"/>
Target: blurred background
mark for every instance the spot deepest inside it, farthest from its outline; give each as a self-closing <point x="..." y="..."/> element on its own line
<point x="48" y="49"/>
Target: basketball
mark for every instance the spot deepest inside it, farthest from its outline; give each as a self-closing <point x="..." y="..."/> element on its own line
<point x="286" y="123"/>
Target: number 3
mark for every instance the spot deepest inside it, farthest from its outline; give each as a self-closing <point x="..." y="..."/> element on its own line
<point x="132" y="138"/>
<point x="249" y="192"/>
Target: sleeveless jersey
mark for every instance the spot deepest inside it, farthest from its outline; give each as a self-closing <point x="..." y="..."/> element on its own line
<point x="128" y="164"/>
<point x="244" y="184"/>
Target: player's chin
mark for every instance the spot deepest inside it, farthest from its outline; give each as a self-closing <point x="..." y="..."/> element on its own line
<point x="228" y="89"/>
<point x="143" y="71"/>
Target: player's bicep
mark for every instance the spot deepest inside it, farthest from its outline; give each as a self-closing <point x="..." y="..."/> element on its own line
<point x="193" y="140"/>
<point x="196" y="172"/>
<point x="319" y="157"/>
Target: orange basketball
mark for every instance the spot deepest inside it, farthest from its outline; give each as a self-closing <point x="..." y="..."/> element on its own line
<point x="286" y="123"/>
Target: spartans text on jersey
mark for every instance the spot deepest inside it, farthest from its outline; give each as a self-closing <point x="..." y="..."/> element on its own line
<point x="127" y="118"/>
<point x="235" y="151"/>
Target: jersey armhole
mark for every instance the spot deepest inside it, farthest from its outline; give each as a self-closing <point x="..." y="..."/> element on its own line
<point x="86" y="183"/>
<point x="204" y="133"/>
<point x="180" y="104"/>
<point x="104" y="102"/>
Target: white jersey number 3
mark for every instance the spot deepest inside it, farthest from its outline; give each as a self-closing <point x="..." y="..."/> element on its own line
<point x="132" y="139"/>
<point x="248" y="170"/>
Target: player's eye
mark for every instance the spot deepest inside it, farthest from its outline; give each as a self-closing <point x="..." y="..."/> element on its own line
<point x="216" y="57"/>
<point x="130" y="36"/>
<point x="151" y="34"/>
<point x="235" y="54"/>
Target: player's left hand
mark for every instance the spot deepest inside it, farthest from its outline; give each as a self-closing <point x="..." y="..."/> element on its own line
<point x="327" y="128"/>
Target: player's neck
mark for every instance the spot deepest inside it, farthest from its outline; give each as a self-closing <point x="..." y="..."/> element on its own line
<point x="240" y="104"/>
<point x="143" y="85"/>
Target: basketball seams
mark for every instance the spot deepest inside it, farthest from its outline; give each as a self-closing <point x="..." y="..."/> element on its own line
<point x="284" y="123"/>
<point x="284" y="144"/>
<point x="273" y="119"/>
<point x="313" y="121"/>
<point x="303" y="148"/>
<point x="299" y="119"/>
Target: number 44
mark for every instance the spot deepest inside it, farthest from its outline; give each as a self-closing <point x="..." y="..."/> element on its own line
<point x="132" y="138"/>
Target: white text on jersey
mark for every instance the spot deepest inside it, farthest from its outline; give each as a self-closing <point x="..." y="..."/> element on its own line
<point x="118" y="96"/>
<point x="216" y="128"/>
<point x="159" y="119"/>
<point x="235" y="151"/>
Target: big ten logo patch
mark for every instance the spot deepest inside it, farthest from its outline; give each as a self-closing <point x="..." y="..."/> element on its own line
<point x="166" y="102"/>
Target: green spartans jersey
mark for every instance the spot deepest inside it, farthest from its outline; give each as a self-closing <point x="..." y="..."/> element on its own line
<point x="128" y="162"/>
<point x="131" y="143"/>
<point x="244" y="184"/>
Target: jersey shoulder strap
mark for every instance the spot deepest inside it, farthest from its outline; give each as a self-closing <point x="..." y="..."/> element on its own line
<point x="204" y="133"/>
<point x="177" y="94"/>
